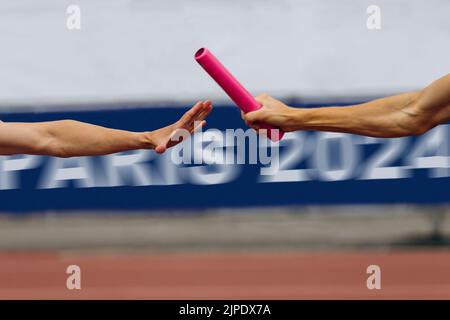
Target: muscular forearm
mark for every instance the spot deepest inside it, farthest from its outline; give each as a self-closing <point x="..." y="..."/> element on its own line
<point x="396" y="116"/>
<point x="68" y="138"/>
<point x="387" y="117"/>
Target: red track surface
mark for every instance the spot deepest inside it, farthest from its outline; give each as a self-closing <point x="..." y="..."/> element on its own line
<point x="323" y="275"/>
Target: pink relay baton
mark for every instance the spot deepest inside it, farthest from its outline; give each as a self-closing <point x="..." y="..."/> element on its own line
<point x="243" y="99"/>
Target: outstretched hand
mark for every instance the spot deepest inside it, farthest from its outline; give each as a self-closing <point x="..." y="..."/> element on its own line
<point x="191" y="121"/>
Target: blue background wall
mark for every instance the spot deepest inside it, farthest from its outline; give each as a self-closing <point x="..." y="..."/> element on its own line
<point x="419" y="171"/>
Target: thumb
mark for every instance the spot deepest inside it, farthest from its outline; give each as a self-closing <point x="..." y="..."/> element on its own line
<point x="254" y="116"/>
<point x="160" y="149"/>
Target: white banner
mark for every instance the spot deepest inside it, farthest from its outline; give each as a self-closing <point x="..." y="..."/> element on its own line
<point x="57" y="51"/>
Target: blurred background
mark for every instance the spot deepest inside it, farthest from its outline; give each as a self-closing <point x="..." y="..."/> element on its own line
<point x="141" y="227"/>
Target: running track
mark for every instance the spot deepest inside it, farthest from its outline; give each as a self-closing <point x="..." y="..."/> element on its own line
<point x="290" y="275"/>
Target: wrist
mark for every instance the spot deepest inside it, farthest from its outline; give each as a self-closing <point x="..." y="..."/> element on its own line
<point x="145" y="140"/>
<point x="297" y="118"/>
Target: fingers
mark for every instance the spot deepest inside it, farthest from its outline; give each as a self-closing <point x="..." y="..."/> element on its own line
<point x="199" y="126"/>
<point x="207" y="103"/>
<point x="207" y="107"/>
<point x="191" y="121"/>
<point x="189" y="116"/>
<point x="243" y="116"/>
<point x="193" y="111"/>
<point x="262" y="98"/>
<point x="254" y="116"/>
<point x="197" y="113"/>
<point x="199" y="120"/>
<point x="254" y="125"/>
<point x="257" y="115"/>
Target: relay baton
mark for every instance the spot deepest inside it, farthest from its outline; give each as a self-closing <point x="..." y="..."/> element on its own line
<point x="243" y="99"/>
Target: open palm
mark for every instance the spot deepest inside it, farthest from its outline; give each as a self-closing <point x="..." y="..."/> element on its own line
<point x="191" y="121"/>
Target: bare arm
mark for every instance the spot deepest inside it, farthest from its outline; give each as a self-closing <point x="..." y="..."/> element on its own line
<point x="68" y="138"/>
<point x="401" y="115"/>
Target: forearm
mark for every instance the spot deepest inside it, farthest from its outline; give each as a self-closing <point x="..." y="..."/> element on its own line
<point x="401" y="115"/>
<point x="68" y="138"/>
<point x="387" y="117"/>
